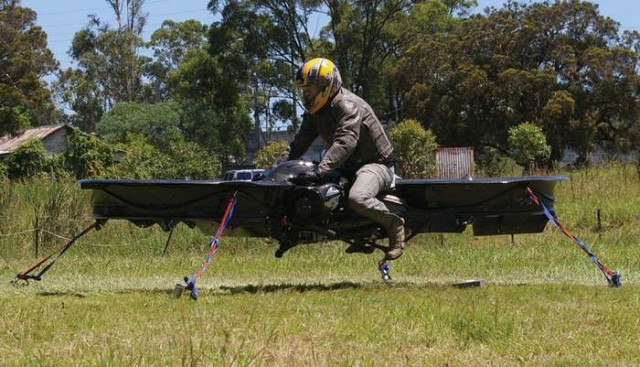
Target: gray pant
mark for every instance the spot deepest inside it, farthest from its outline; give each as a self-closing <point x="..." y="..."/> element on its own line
<point x="370" y="180"/>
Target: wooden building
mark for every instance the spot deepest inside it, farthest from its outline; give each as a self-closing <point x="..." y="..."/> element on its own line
<point x="53" y="137"/>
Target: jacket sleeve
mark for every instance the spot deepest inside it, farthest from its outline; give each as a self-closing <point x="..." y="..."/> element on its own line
<point x="345" y="138"/>
<point x="302" y="140"/>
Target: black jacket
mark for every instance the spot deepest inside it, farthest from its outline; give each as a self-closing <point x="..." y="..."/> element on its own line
<point x="350" y="129"/>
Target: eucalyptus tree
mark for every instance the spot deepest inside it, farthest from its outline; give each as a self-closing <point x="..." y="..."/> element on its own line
<point x="273" y="37"/>
<point x="24" y="60"/>
<point x="109" y="59"/>
<point x="269" y="38"/>
<point x="209" y="90"/>
<point x="170" y="44"/>
<point x="363" y="40"/>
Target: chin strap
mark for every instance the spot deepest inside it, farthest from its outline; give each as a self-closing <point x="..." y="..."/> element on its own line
<point x="613" y="278"/>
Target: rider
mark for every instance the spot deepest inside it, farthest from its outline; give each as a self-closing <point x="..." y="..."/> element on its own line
<point x="356" y="143"/>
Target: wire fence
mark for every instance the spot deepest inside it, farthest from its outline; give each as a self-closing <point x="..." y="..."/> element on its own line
<point x="48" y="233"/>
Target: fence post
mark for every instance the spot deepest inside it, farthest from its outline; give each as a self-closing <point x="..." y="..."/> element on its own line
<point x="36" y="236"/>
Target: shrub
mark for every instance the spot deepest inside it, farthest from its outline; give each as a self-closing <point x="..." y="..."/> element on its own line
<point x="86" y="156"/>
<point x="28" y="161"/>
<point x="270" y="154"/>
<point x="189" y="160"/>
<point x="179" y="160"/>
<point x="528" y="145"/>
<point x="494" y="163"/>
<point x="414" y="149"/>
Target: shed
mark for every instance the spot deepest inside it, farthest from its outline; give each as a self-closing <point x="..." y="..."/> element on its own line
<point x="53" y="138"/>
<point x="455" y="163"/>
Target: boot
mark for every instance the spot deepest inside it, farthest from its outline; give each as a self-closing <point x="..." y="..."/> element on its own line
<point x="396" y="239"/>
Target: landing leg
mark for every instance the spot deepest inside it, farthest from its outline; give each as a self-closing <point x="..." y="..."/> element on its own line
<point x="285" y="245"/>
<point x="384" y="268"/>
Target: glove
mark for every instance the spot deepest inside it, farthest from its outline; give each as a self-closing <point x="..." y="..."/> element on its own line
<point x="306" y="178"/>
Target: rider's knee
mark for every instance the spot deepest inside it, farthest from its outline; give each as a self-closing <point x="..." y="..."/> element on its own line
<point x="358" y="199"/>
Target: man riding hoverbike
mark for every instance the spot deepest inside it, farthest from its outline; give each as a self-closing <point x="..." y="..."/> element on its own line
<point x="357" y="144"/>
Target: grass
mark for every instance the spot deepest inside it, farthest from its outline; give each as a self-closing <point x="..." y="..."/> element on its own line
<point x="109" y="300"/>
<point x="334" y="324"/>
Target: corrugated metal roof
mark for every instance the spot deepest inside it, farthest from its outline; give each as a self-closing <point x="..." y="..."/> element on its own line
<point x="9" y="144"/>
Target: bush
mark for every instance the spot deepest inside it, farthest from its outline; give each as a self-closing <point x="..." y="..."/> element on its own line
<point x="414" y="149"/>
<point x="86" y="156"/>
<point x="189" y="160"/>
<point x="179" y="160"/>
<point x="528" y="145"/>
<point x="270" y="154"/>
<point x="28" y="161"/>
<point x="494" y="163"/>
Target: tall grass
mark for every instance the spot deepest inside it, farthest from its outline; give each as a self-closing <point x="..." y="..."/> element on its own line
<point x="108" y="301"/>
<point x="50" y="209"/>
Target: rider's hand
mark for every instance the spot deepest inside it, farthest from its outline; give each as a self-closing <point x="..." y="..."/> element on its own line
<point x="307" y="178"/>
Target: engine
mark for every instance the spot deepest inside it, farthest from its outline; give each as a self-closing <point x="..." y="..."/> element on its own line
<point x="317" y="203"/>
<point x="308" y="205"/>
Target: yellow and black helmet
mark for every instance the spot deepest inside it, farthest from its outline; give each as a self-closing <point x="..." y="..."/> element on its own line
<point x="319" y="80"/>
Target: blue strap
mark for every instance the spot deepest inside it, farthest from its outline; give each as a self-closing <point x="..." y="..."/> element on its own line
<point x="613" y="278"/>
<point x="213" y="247"/>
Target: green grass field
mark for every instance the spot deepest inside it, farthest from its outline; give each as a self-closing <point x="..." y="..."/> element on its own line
<point x="109" y="300"/>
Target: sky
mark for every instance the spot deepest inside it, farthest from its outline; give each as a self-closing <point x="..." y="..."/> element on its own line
<point x="61" y="19"/>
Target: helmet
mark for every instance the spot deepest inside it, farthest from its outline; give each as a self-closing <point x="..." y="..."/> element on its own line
<point x="319" y="80"/>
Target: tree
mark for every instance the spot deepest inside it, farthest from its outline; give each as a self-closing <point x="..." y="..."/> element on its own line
<point x="159" y="122"/>
<point x="363" y="42"/>
<point x="170" y="44"/>
<point x="24" y="59"/>
<point x="210" y="89"/>
<point x="414" y="149"/>
<point x="366" y="39"/>
<point x="528" y="145"/>
<point x="271" y="38"/>
<point x="561" y="66"/>
<point x="76" y="90"/>
<point x="266" y="39"/>
<point x="110" y="67"/>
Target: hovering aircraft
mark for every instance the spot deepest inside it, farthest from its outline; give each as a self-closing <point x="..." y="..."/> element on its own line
<point x="272" y="206"/>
